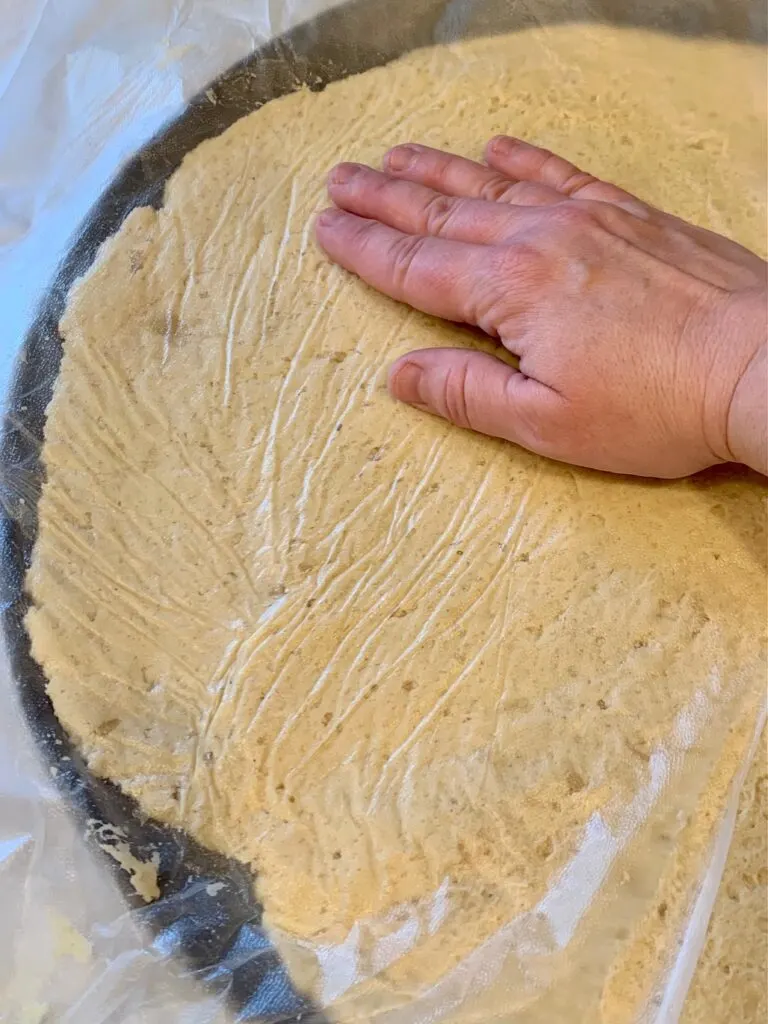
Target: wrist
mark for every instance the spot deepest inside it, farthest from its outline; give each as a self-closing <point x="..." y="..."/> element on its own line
<point x="747" y="424"/>
<point x="735" y="411"/>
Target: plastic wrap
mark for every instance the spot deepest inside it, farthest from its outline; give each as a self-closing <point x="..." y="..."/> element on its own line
<point x="180" y="935"/>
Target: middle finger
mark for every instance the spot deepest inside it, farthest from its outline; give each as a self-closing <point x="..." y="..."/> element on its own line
<point x="456" y="176"/>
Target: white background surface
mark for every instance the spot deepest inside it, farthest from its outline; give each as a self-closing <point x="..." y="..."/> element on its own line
<point x="83" y="84"/>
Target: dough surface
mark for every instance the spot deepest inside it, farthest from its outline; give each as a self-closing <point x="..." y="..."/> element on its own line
<point x="438" y="692"/>
<point x="729" y="983"/>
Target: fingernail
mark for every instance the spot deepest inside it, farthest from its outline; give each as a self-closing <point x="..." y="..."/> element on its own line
<point x="329" y="217"/>
<point x="342" y="174"/>
<point x="404" y="383"/>
<point x="400" y="158"/>
<point x="502" y="144"/>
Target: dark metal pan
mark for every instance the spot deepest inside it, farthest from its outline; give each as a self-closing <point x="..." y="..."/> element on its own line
<point x="217" y="929"/>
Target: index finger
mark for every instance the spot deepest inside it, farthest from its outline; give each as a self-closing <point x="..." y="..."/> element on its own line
<point x="441" y="277"/>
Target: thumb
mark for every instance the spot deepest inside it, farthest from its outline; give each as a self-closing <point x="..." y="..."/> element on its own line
<point x="478" y="391"/>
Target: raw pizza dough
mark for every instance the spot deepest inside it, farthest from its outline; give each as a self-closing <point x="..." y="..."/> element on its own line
<point x="438" y="692"/>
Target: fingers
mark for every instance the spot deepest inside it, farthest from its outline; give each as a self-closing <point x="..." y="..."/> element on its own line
<point x="521" y="160"/>
<point x="478" y="391"/>
<point x="718" y="244"/>
<point x="517" y="159"/>
<point x="675" y="241"/>
<point x="419" y="210"/>
<point x="440" y="277"/>
<point x="456" y="176"/>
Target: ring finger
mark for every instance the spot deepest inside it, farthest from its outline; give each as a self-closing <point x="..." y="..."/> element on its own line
<point x="418" y="210"/>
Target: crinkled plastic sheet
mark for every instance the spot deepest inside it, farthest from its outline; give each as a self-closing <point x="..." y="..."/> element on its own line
<point x="108" y="917"/>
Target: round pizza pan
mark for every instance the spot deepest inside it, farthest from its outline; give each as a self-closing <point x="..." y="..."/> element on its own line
<point x="207" y="913"/>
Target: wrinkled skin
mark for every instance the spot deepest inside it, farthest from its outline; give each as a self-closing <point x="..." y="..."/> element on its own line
<point x="641" y="339"/>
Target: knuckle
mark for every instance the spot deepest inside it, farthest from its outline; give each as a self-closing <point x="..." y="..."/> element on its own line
<point x="404" y="252"/>
<point x="440" y="165"/>
<point x="548" y="161"/>
<point x="541" y="433"/>
<point x="613" y="218"/>
<point x="555" y="170"/>
<point x="517" y="259"/>
<point x="574" y="217"/>
<point x="513" y="280"/>
<point x="496" y="190"/>
<point x="574" y="180"/>
<point x="454" y="396"/>
<point x="546" y="167"/>
<point x="525" y="192"/>
<point x="629" y="204"/>
<point x="383" y="186"/>
<point x="363" y="235"/>
<point x="438" y="213"/>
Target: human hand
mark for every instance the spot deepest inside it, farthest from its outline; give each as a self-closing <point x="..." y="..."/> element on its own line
<point x="641" y="339"/>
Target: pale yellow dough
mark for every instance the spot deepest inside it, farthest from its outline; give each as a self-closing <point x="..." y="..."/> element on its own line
<point x="411" y="675"/>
